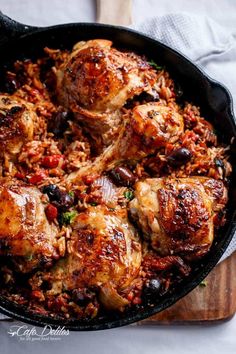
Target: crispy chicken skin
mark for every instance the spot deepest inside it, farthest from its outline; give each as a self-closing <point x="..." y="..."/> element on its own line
<point x="24" y="229"/>
<point x="104" y="252"/>
<point x="16" y="124"/>
<point x="146" y="128"/>
<point x="178" y="215"/>
<point x="96" y="81"/>
<point x="156" y="124"/>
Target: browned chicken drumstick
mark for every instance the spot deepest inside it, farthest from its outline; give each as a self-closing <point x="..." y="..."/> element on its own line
<point x="24" y="228"/>
<point x="178" y="215"/>
<point x="146" y="128"/>
<point x="104" y="252"/>
<point x="96" y="81"/>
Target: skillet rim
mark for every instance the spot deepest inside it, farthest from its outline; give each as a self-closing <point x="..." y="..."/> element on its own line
<point x="18" y="312"/>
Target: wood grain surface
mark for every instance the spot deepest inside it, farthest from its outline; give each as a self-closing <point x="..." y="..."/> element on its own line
<point x="114" y="12"/>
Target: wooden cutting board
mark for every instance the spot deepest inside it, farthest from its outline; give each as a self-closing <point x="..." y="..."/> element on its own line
<point x="217" y="300"/>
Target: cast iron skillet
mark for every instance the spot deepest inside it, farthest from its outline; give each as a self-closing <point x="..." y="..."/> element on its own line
<point x="18" y="41"/>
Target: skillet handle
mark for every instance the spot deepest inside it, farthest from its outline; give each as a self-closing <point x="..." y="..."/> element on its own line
<point x="10" y="29"/>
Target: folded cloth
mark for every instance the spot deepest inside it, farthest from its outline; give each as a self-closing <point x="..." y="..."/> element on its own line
<point x="203" y="41"/>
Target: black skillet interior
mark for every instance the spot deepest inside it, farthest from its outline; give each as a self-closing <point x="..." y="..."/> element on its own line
<point x="21" y="42"/>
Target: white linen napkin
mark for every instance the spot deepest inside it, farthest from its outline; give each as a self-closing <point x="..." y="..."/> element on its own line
<point x="203" y="41"/>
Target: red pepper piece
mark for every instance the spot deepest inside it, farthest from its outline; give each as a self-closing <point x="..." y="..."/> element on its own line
<point x="51" y="212"/>
<point x="51" y="161"/>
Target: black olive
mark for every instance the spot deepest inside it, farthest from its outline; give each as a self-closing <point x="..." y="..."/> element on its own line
<point x="82" y="296"/>
<point x="60" y="198"/>
<point x="179" y="157"/>
<point x="152" y="287"/>
<point x="15" y="110"/>
<point x="59" y="123"/>
<point x="52" y="191"/>
<point x="46" y="285"/>
<point x="122" y="176"/>
<point x="151" y="96"/>
<point x="64" y="201"/>
<point x="11" y="85"/>
<point x="129" y="103"/>
<point x="45" y="262"/>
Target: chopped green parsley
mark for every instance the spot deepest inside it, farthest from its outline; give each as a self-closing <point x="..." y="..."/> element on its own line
<point x="68" y="217"/>
<point x="128" y="194"/>
<point x="154" y="65"/>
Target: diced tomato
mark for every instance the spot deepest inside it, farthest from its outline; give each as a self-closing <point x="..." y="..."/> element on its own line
<point x="38" y="177"/>
<point x="89" y="179"/>
<point x="130" y="296"/>
<point x="51" y="161"/>
<point x="58" y="302"/>
<point x="51" y="212"/>
<point x="20" y="175"/>
<point x="37" y="294"/>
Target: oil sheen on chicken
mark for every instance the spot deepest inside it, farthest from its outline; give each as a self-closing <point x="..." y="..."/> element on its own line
<point x="177" y="215"/>
<point x="25" y="232"/>
<point x="146" y="128"/>
<point x="104" y="252"/>
<point x="96" y="81"/>
<point x="16" y="124"/>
